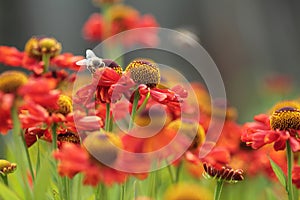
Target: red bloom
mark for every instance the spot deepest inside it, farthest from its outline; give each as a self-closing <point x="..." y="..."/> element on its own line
<point x="6" y="103"/>
<point x="93" y="28"/>
<point x="10" y="56"/>
<point x="31" y="135"/>
<point x="259" y="133"/>
<point x="121" y="18"/>
<point x="296" y="176"/>
<point x="67" y="60"/>
<point x="74" y="159"/>
<point x="41" y="91"/>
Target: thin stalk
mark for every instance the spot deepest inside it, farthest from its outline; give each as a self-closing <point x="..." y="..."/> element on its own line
<point x="173" y="180"/>
<point x="107" y="117"/>
<point x="289" y="155"/>
<point x="134" y="108"/>
<point x="46" y="61"/>
<point x="28" y="157"/>
<point x="123" y="191"/>
<point x="54" y="136"/>
<point x="5" y="180"/>
<point x="218" y="189"/>
<point x="178" y="170"/>
<point x="142" y="107"/>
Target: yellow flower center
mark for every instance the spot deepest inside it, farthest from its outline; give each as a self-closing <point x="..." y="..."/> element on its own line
<point x="187" y="191"/>
<point x="103" y="147"/>
<point x="111" y="64"/>
<point x="144" y="72"/>
<point x="69" y="137"/>
<point x="285" y="118"/>
<point x="64" y="104"/>
<point x="36" y="47"/>
<point x="191" y="129"/>
<point x="10" y="81"/>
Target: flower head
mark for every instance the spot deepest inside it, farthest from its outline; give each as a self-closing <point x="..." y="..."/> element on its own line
<point x="225" y="173"/>
<point x="10" y="81"/>
<point x="74" y="159"/>
<point x="36" y="47"/>
<point x="286" y="116"/>
<point x="144" y="71"/>
<point x="6" y="167"/>
<point x="281" y="126"/>
<point x="64" y="104"/>
<point x="6" y="104"/>
<point x="103" y="146"/>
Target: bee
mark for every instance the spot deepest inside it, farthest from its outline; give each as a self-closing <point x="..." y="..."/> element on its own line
<point x="92" y="62"/>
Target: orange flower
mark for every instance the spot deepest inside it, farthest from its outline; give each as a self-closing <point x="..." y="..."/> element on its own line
<point x="41" y="91"/>
<point x="74" y="159"/>
<point x="67" y="60"/>
<point x="121" y="18"/>
<point x="296" y="176"/>
<point x="6" y="103"/>
<point x="260" y="133"/>
<point x="11" y="56"/>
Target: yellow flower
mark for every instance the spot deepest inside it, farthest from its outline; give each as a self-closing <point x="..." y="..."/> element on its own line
<point x="187" y="191"/>
<point x="10" y="81"/>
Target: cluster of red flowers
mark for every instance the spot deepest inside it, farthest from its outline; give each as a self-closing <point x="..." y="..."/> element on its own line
<point x="118" y="18"/>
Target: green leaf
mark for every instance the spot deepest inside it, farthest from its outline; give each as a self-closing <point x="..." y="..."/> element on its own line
<point x="7" y="194"/>
<point x="43" y="179"/>
<point x="278" y="172"/>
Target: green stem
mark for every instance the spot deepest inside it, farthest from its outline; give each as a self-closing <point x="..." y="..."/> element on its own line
<point x="123" y="191"/>
<point x="54" y="136"/>
<point x="28" y="157"/>
<point x="46" y="61"/>
<point x="178" y="170"/>
<point x="134" y="108"/>
<point x="142" y="107"/>
<point x="4" y="178"/>
<point x="107" y="117"/>
<point x="218" y="189"/>
<point x="173" y="180"/>
<point x="289" y="155"/>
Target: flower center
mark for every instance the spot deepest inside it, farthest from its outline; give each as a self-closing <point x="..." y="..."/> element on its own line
<point x="144" y="72"/>
<point x="64" y="104"/>
<point x="285" y="118"/>
<point x="69" y="137"/>
<point x="191" y="129"/>
<point x="103" y="147"/>
<point x="10" y="81"/>
<point x="36" y="47"/>
<point x="111" y="64"/>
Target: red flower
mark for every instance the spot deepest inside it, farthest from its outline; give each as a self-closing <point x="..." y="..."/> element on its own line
<point x="10" y="56"/>
<point x="41" y="91"/>
<point x="93" y="28"/>
<point x="6" y="103"/>
<point x="74" y="159"/>
<point x="31" y="135"/>
<point x="121" y="18"/>
<point x="296" y="176"/>
<point x="260" y="133"/>
<point x="66" y="60"/>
